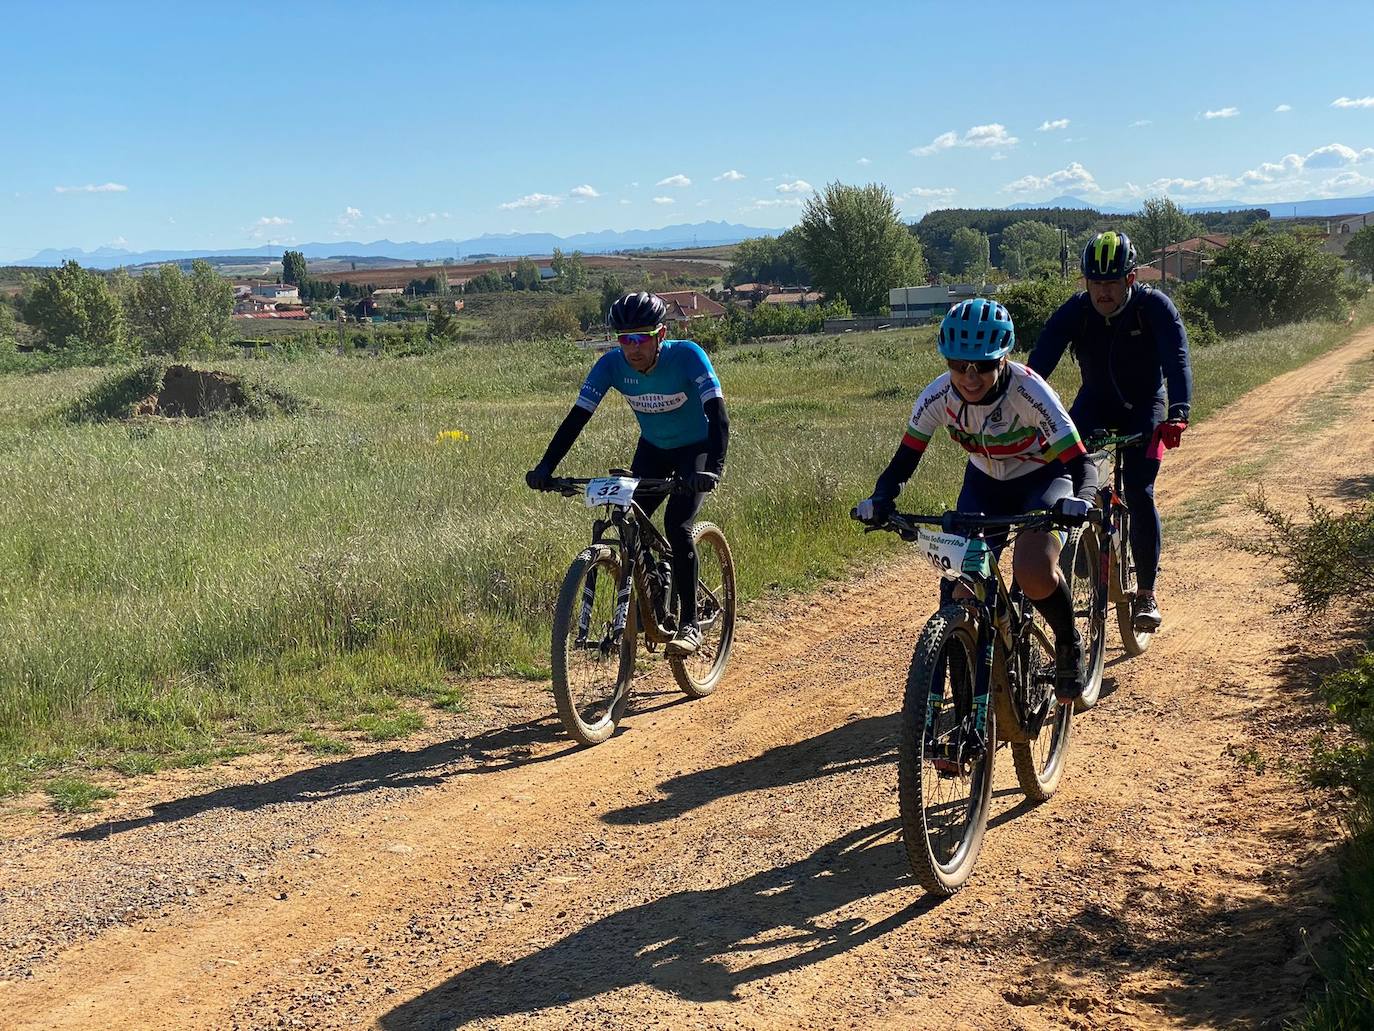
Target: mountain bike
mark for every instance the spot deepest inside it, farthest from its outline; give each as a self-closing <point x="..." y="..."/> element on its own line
<point x="982" y="675"/>
<point x="620" y="588"/>
<point x="1100" y="568"/>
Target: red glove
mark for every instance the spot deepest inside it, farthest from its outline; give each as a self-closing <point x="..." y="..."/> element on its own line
<point x="1170" y="434"/>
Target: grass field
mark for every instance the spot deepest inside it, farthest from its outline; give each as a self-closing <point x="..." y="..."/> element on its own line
<point x="172" y="592"/>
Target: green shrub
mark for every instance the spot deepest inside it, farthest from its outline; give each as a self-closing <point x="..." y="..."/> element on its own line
<point x="1031" y="302"/>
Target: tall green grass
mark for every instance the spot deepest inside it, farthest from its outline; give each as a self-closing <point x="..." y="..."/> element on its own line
<point x="169" y="590"/>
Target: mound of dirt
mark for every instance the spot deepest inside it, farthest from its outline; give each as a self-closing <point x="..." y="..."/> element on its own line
<point x="191" y="393"/>
<point x="161" y="389"/>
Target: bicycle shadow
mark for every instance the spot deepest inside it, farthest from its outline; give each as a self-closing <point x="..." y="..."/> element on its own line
<point x="699" y="945"/>
<point x="856" y="745"/>
<point x="395" y="769"/>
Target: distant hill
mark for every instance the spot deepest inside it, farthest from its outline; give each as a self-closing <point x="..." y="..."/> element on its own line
<point x="1277" y="209"/>
<point x="698" y="234"/>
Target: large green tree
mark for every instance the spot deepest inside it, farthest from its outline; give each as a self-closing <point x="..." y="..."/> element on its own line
<point x="970" y="252"/>
<point x="769" y="259"/>
<point x="1265" y="279"/>
<point x="293" y="268"/>
<point x="857" y="247"/>
<point x="74" y="308"/>
<point x="1359" y="251"/>
<point x="1028" y="245"/>
<point x="1161" y="222"/>
<point x="176" y="314"/>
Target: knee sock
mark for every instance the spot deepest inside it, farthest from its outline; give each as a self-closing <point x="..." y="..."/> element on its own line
<point x="1058" y="612"/>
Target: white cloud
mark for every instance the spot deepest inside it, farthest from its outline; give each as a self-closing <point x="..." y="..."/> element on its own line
<point x="923" y="191"/>
<point x="584" y="191"/>
<point x="272" y="220"/>
<point x="863" y="161"/>
<point x="1140" y="123"/>
<point x="796" y="186"/>
<point x="663" y="200"/>
<point x="433" y="216"/>
<point x="624" y="200"/>
<point x="678" y="181"/>
<point x="703" y="203"/>
<point x="1208" y="185"/>
<point x="92" y="188"/>
<point x="1286" y="167"/>
<point x="779" y="202"/>
<point x="1058" y="123"/>
<point x="1353" y="102"/>
<point x="1333" y="155"/>
<point x="1074" y="177"/>
<point x="1222" y="112"/>
<point x="993" y="135"/>
<point x="118" y="241"/>
<point x="534" y="202"/>
<point x="351" y="214"/>
<point x="1347" y="181"/>
<point x="730" y="177"/>
<point x="1282" y="108"/>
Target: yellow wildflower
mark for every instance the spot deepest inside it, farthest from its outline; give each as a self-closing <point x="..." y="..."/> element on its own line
<point x="457" y="436"/>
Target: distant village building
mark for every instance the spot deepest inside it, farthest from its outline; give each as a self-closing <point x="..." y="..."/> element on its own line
<point x="916" y="304"/>
<point x="277" y="292"/>
<point x="1339" y="230"/>
<point x="686" y="305"/>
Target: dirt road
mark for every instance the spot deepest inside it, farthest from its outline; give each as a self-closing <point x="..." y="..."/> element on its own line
<point x="734" y="862"/>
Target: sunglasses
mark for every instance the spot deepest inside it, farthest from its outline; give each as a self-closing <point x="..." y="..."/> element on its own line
<point x="982" y="367"/>
<point x="637" y="338"/>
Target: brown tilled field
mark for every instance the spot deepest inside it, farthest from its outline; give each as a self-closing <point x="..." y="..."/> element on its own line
<point x="628" y="264"/>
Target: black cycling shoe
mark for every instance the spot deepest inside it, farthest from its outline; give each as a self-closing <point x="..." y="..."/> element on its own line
<point x="1145" y="614"/>
<point x="1068" y="673"/>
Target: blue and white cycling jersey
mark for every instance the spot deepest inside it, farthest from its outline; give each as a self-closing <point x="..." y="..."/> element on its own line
<point x="668" y="400"/>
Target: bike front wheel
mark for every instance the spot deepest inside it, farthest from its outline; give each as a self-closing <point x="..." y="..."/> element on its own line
<point x="698" y="674"/>
<point x="944" y="808"/>
<point x="1123" y="570"/>
<point x="592" y="664"/>
<point x="1079" y="564"/>
<point x="1040" y="762"/>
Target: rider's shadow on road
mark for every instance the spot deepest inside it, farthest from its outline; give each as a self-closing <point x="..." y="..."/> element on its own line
<point x="491" y="751"/>
<point x="860" y="743"/>
<point x="697" y="945"/>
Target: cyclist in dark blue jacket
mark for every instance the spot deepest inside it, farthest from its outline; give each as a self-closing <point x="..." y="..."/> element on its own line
<point x="683" y="432"/>
<point x="1132" y="350"/>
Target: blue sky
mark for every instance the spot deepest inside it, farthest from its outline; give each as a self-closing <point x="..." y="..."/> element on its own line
<point x="148" y="125"/>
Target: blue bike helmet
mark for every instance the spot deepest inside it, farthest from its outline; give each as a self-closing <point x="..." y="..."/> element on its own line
<point x="977" y="330"/>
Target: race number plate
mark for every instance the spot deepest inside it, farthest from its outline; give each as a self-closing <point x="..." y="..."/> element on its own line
<point x="611" y="490"/>
<point x="944" y="551"/>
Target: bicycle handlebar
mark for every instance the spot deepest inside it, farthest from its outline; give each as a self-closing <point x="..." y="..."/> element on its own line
<point x="906" y="524"/>
<point x="1097" y="440"/>
<point x="570" y="486"/>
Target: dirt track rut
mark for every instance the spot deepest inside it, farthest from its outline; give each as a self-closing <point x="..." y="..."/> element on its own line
<point x="734" y="862"/>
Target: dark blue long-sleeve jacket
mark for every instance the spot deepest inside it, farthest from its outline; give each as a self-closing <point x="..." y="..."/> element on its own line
<point x="1126" y="361"/>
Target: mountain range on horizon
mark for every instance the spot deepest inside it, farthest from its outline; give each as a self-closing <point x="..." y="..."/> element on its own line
<point x="695" y="234"/>
<point x="1284" y="209"/>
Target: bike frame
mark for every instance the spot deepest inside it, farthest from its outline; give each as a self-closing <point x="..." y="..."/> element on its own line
<point x="634" y="535"/>
<point x="1115" y="513"/>
<point x="1001" y="620"/>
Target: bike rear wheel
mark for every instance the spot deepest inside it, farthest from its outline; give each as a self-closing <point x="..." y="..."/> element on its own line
<point x="1040" y="763"/>
<point x="944" y="814"/>
<point x="592" y="669"/>
<point x="1079" y="564"/>
<point x="698" y="674"/>
<point x="1123" y="569"/>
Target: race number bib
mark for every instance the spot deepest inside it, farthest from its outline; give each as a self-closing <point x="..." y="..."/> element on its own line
<point x="944" y="551"/>
<point x="611" y="490"/>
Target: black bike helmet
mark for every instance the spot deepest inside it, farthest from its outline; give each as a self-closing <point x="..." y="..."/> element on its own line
<point x="635" y="313"/>
<point x="1109" y="255"/>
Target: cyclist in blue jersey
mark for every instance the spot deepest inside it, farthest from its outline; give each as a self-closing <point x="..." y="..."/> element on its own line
<point x="683" y="432"/>
<point x="1130" y="344"/>
<point x="1024" y="454"/>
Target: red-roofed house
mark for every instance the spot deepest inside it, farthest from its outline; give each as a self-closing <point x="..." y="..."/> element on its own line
<point x="686" y="305"/>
